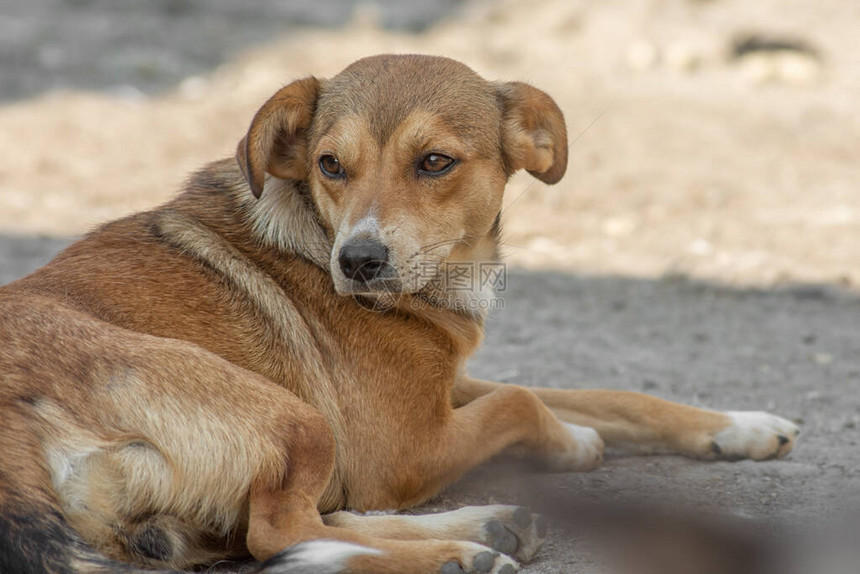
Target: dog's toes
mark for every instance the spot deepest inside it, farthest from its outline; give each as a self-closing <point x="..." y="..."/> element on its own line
<point x="756" y="435"/>
<point x="452" y="567"/>
<point x="517" y="533"/>
<point x="482" y="561"/>
<point x="501" y="538"/>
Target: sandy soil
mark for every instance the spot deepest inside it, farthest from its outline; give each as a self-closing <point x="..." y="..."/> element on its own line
<point x="703" y="247"/>
<point x="686" y="163"/>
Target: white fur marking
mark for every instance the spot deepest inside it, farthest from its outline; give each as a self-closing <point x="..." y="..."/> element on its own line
<point x="753" y="433"/>
<point x="379" y="513"/>
<point x="319" y="556"/>
<point x="367" y="225"/>
<point x="588" y="438"/>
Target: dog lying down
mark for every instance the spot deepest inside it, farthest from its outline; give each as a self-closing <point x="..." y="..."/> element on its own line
<point x="233" y="372"/>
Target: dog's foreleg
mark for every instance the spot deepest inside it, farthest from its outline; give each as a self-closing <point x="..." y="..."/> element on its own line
<point x="641" y="422"/>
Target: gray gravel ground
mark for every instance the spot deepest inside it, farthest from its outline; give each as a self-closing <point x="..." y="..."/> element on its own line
<point x="793" y="352"/>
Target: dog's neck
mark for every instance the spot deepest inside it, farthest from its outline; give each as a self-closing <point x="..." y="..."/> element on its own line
<point x="285" y="218"/>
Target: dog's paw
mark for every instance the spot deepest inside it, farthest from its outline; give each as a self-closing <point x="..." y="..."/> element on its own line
<point x="479" y="559"/>
<point x="582" y="450"/>
<point x="756" y="435"/>
<point x="516" y="532"/>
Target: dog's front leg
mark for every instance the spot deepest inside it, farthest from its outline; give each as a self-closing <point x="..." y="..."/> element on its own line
<point x="507" y="417"/>
<point x="645" y="423"/>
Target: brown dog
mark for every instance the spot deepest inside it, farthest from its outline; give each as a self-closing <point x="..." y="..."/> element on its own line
<point x="205" y="379"/>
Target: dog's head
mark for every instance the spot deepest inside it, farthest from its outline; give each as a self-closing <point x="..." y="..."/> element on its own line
<point x="406" y="159"/>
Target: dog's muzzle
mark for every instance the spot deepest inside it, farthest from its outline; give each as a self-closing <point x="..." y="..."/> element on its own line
<point x="364" y="260"/>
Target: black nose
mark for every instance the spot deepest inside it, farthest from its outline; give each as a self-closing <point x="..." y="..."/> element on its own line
<point x="362" y="259"/>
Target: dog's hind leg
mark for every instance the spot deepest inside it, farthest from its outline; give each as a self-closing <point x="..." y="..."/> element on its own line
<point x="283" y="513"/>
<point x="640" y="422"/>
<point x="511" y="530"/>
<point x="151" y="445"/>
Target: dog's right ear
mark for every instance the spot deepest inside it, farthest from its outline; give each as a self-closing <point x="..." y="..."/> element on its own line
<point x="276" y="142"/>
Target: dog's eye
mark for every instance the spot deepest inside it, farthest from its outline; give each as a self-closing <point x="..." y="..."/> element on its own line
<point x="330" y="166"/>
<point x="435" y="164"/>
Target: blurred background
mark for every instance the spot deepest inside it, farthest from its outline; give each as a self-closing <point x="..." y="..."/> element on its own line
<point x="716" y="138"/>
<point x="704" y="245"/>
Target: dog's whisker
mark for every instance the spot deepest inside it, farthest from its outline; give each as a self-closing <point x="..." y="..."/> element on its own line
<point x="444" y="243"/>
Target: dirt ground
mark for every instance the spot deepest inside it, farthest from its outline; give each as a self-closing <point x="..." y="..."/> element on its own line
<point x="704" y="246"/>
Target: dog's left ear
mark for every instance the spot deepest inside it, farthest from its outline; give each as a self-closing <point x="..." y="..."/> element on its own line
<point x="534" y="137"/>
<point x="276" y="141"/>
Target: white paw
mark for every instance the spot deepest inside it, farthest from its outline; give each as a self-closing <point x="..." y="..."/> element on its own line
<point x="756" y="435"/>
<point x="478" y="559"/>
<point x="589" y="452"/>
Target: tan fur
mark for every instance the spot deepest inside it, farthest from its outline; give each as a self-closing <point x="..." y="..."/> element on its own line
<point x="204" y="375"/>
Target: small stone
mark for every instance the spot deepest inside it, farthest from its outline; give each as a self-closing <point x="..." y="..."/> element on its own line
<point x="798" y="69"/>
<point x="783" y="66"/>
<point x="758" y="68"/>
